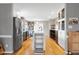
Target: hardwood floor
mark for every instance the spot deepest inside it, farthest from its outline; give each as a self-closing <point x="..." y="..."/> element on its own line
<point x="51" y="48"/>
<point x="26" y="48"/>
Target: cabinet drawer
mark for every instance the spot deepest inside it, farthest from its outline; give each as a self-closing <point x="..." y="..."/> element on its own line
<point x="75" y="46"/>
<point x="73" y="33"/>
<point x="74" y="36"/>
<point x="75" y="39"/>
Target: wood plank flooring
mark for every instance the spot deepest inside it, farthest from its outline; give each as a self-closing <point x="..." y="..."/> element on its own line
<point x="51" y="48"/>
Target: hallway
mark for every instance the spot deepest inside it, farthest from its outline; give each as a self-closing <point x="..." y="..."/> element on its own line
<point x="56" y="21"/>
<point x="52" y="48"/>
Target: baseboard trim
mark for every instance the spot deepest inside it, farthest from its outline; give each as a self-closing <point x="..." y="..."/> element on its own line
<point x="8" y="52"/>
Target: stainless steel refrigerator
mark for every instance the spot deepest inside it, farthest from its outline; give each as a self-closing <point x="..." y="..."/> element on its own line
<point x="17" y="34"/>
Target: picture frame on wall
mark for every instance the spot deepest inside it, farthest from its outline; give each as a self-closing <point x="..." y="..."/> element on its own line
<point x="73" y="21"/>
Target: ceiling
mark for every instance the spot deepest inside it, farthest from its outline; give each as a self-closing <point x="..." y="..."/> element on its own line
<point x="37" y="11"/>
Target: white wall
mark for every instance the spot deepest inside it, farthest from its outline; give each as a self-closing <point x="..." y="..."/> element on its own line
<point x="45" y="27"/>
<point x="72" y="10"/>
<point x="38" y="27"/>
<point x="6" y="27"/>
<point x="51" y="22"/>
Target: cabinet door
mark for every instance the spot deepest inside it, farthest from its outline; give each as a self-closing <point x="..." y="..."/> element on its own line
<point x="75" y="47"/>
<point x="73" y="41"/>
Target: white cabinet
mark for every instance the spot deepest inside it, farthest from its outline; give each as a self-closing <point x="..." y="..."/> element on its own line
<point x="38" y="42"/>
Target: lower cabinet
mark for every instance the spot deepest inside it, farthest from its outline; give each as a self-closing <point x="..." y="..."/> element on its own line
<point x="73" y="42"/>
<point x="38" y="42"/>
<point x="54" y="35"/>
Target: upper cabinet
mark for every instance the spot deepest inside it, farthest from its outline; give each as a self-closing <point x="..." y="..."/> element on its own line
<point x="61" y="14"/>
<point x="61" y="19"/>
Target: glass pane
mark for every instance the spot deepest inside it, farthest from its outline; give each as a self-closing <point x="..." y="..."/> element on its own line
<point x="63" y="25"/>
